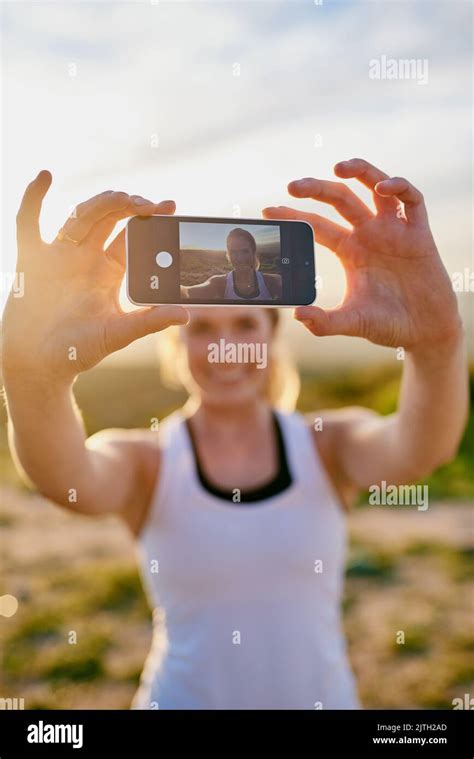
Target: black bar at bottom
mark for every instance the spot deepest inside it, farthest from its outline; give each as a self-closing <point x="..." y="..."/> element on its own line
<point x="316" y="733"/>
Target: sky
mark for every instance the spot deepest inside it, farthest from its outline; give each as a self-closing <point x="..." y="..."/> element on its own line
<point x="219" y="104"/>
<point x="213" y="236"/>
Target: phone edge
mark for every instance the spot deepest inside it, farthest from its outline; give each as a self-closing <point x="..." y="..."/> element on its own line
<point x="213" y="305"/>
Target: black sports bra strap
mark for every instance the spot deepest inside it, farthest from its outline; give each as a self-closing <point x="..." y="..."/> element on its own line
<point x="277" y="484"/>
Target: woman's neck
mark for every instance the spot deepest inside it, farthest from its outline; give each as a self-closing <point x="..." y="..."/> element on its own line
<point x="245" y="280"/>
<point x="230" y="420"/>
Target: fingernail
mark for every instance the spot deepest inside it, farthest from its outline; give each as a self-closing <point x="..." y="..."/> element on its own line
<point x="182" y="319"/>
<point x="40" y="172"/>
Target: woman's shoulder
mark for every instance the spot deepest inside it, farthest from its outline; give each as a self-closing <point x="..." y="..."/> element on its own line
<point x="147" y="448"/>
<point x="330" y="429"/>
<point x="269" y="276"/>
<point x="337" y="424"/>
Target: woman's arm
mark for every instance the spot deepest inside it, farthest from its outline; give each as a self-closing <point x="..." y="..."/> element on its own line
<point x="67" y="321"/>
<point x="398" y="295"/>
<point x="212" y="288"/>
<point x="423" y="434"/>
<point x="112" y="471"/>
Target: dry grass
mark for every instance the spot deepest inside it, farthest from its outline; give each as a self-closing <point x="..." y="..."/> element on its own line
<point x="406" y="572"/>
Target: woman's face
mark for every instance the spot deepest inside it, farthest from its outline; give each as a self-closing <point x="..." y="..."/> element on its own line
<point x="241" y="253"/>
<point x="215" y="333"/>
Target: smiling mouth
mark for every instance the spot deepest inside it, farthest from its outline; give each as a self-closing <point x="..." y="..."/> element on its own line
<point x="228" y="374"/>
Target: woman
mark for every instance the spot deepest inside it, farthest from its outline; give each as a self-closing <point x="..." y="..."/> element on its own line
<point x="244" y="281"/>
<point x="238" y="510"/>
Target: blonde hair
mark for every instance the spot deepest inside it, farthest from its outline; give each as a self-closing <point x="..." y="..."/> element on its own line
<point x="283" y="384"/>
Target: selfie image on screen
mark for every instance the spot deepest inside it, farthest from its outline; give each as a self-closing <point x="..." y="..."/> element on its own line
<point x="231" y="262"/>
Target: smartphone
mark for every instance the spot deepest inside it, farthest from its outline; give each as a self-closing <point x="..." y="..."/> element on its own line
<point x="186" y="260"/>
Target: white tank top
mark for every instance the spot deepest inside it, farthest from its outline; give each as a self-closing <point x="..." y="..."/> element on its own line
<point x="246" y="597"/>
<point x="263" y="291"/>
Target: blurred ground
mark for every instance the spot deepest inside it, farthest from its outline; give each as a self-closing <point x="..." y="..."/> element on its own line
<point x="407" y="571"/>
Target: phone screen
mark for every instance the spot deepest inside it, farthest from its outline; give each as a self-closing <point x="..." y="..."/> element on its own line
<point x="219" y="261"/>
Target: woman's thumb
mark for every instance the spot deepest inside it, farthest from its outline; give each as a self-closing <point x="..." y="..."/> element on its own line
<point x="27" y="218"/>
<point x="333" y="321"/>
<point x="124" y="329"/>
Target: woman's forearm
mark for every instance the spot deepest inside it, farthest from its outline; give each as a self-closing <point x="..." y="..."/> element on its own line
<point x="424" y="433"/>
<point x="433" y="404"/>
<point x="47" y="438"/>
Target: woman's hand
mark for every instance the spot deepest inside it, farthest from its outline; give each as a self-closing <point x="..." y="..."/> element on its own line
<point x="69" y="318"/>
<point x="398" y="291"/>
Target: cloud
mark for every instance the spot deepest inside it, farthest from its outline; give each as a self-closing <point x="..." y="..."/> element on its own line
<point x="166" y="72"/>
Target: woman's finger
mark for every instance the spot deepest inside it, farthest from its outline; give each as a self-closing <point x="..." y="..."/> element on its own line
<point x="100" y="231"/>
<point x="336" y="194"/>
<point x="412" y="199"/>
<point x="326" y="232"/>
<point x="87" y="214"/>
<point x="124" y="329"/>
<point x="27" y="218"/>
<point x="333" y="321"/>
<point x="369" y="175"/>
<point x="116" y="250"/>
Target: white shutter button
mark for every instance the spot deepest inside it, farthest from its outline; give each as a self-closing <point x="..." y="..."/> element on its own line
<point x="164" y="259"/>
